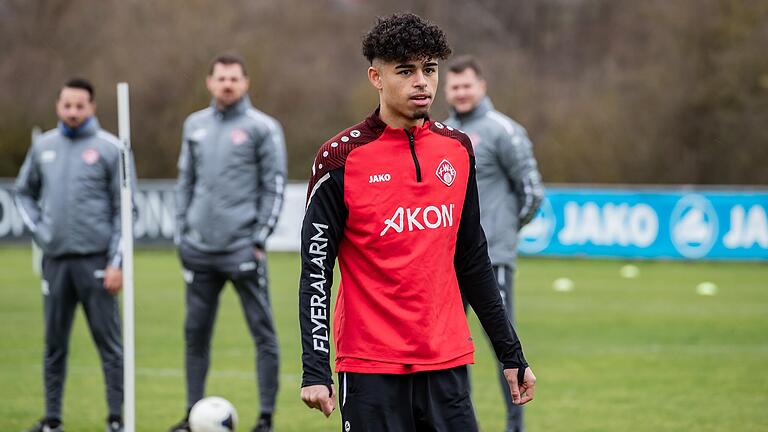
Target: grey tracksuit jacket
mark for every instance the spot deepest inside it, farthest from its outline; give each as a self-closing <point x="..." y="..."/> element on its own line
<point x="507" y="176"/>
<point x="68" y="192"/>
<point x="231" y="178"/>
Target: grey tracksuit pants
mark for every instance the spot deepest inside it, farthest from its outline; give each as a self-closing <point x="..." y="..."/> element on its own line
<point x="505" y="279"/>
<point x="205" y="275"/>
<point x="68" y="281"/>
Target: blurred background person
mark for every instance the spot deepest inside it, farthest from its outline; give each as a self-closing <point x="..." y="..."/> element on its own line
<point x="228" y="198"/>
<point x="68" y="193"/>
<point x="508" y="180"/>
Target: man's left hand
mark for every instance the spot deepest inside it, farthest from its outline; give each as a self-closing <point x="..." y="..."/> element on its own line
<point x="522" y="393"/>
<point x="113" y="279"/>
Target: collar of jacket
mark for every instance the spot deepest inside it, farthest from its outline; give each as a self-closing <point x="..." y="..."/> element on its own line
<point x="479" y="110"/>
<point x="87" y="128"/>
<point x="235" y="109"/>
<point x="377" y="125"/>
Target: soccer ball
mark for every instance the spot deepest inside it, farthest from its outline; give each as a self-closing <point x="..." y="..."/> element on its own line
<point x="213" y="414"/>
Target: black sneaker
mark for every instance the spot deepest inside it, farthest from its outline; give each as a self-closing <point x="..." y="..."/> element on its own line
<point x="262" y="426"/>
<point x="182" y="426"/>
<point x="114" y="424"/>
<point x="47" y="425"/>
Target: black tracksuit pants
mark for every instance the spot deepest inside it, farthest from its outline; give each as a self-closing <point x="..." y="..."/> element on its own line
<point x="67" y="281"/>
<point x="205" y="275"/>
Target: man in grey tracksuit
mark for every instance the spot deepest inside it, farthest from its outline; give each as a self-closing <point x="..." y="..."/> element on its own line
<point x="507" y="179"/>
<point x="228" y="198"/>
<point x="68" y="194"/>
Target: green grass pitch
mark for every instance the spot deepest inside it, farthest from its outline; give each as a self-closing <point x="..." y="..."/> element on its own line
<point x="644" y="354"/>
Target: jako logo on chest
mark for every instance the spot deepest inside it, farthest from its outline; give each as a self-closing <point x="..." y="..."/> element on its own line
<point x="379" y="178"/>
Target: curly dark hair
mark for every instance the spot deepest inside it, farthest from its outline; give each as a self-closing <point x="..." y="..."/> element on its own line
<point x="403" y="37"/>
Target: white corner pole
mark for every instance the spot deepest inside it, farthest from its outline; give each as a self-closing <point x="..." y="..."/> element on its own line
<point x="126" y="217"/>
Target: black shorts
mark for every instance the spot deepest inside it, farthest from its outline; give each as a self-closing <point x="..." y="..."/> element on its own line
<point x="423" y="401"/>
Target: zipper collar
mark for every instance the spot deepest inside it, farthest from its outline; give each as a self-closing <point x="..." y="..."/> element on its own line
<point x="87" y="128"/>
<point x="479" y="110"/>
<point x="376" y="124"/>
<point x="237" y="108"/>
<point x="397" y="135"/>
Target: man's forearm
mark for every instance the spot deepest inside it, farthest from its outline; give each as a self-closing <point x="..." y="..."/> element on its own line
<point x="477" y="282"/>
<point x="482" y="294"/>
<point x="320" y="236"/>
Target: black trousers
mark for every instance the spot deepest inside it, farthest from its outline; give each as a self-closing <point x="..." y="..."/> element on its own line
<point x="205" y="275"/>
<point x="66" y="282"/>
<point x="436" y="401"/>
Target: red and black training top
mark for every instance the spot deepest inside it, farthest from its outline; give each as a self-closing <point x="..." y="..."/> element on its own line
<point x="399" y="209"/>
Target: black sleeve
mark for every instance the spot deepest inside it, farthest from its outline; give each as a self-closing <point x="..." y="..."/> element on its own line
<point x="478" y="284"/>
<point x="321" y="232"/>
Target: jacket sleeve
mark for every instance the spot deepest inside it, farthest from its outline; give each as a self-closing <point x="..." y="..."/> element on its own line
<point x="115" y="252"/>
<point x="185" y="185"/>
<point x="477" y="282"/>
<point x="515" y="153"/>
<point x="321" y="233"/>
<point x="271" y="160"/>
<point x="27" y="191"/>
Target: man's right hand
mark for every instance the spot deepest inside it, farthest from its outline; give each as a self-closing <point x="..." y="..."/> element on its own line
<point x="319" y="397"/>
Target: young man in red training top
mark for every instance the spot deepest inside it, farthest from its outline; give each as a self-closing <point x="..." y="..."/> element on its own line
<point x="394" y="198"/>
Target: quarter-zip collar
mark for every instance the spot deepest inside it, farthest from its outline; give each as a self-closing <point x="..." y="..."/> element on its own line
<point x="237" y="108"/>
<point x="408" y="137"/>
<point x="375" y="122"/>
<point x="89" y="127"/>
<point x="479" y="110"/>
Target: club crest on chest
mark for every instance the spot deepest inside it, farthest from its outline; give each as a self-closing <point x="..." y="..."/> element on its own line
<point x="446" y="172"/>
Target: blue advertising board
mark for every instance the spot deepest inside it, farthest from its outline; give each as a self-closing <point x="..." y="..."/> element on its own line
<point x="634" y="223"/>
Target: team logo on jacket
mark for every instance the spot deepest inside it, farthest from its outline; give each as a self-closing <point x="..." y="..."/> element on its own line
<point x="446" y="172"/>
<point x="238" y="136"/>
<point x="90" y="156"/>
